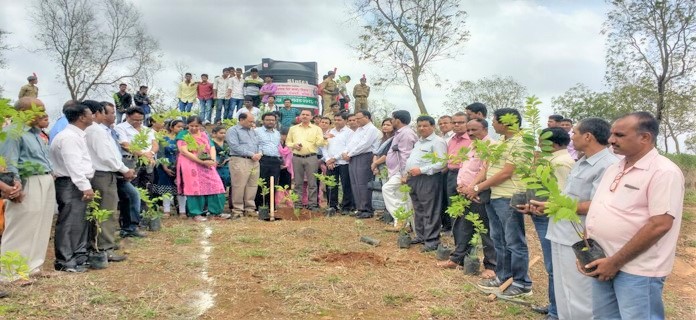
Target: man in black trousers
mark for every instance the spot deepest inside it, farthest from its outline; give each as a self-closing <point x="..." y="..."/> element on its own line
<point x="72" y="167"/>
<point x="425" y="180"/>
<point x="270" y="162"/>
<point x="337" y="167"/>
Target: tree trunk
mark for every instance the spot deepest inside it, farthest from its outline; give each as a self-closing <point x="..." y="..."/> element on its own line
<point x="418" y="93"/>
<point x="673" y="136"/>
<point x="666" y="145"/>
<point x="660" y="100"/>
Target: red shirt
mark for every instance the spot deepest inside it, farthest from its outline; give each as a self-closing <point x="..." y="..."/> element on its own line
<point x="205" y="90"/>
<point x="457" y="142"/>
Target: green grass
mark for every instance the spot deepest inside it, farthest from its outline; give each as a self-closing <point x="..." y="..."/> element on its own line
<point x="688" y="216"/>
<point x="183" y="240"/>
<point x="513" y="310"/>
<point x="248" y="239"/>
<point x="437" y="292"/>
<point x="395" y="300"/>
<point x="692" y="243"/>
<point x="441" y="312"/>
<point x="333" y="279"/>
<point x="684" y="161"/>
<point x="690" y="197"/>
<point x="468" y="287"/>
<point x="254" y="253"/>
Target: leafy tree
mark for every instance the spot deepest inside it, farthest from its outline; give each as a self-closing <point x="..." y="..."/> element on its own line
<point x="97" y="44"/>
<point x="653" y="40"/>
<point x="405" y="37"/>
<point x="495" y="92"/>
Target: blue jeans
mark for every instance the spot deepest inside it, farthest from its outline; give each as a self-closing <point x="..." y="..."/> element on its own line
<point x="185" y="106"/>
<point x="628" y="296"/>
<point x="129" y="205"/>
<point x="507" y="232"/>
<point x="541" y="224"/>
<point x="220" y="104"/>
<point x="236" y="104"/>
<point x="119" y="116"/>
<point x="206" y="109"/>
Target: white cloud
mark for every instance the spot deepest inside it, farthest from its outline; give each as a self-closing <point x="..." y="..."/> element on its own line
<point x="547" y="46"/>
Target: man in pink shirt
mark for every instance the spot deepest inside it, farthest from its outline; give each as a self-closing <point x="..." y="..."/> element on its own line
<point x="635" y="217"/>
<point x="471" y="173"/>
<point x="205" y="98"/>
<point x="456" y="139"/>
<point x="268" y="89"/>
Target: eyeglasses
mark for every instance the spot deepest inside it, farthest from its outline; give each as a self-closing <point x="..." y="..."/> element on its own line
<point x="615" y="184"/>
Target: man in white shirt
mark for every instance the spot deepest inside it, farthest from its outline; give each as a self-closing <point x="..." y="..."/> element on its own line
<point x="362" y="145"/>
<point x="248" y="108"/>
<point x="107" y="163"/>
<point x="337" y="167"/>
<point x="237" y="89"/>
<point x="72" y="167"/>
<point x="127" y="131"/>
<point x="222" y="91"/>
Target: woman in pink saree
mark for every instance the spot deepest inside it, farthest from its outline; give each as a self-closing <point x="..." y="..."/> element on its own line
<point x="197" y="178"/>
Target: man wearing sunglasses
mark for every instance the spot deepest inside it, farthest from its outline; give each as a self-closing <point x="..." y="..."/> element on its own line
<point x="635" y="217"/>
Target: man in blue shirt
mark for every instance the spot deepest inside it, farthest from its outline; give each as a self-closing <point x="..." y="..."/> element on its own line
<point x="270" y="162"/>
<point x="244" y="165"/>
<point x="61" y="122"/>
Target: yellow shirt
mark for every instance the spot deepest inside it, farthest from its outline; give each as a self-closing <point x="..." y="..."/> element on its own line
<point x="561" y="162"/>
<point x="311" y="137"/>
<point x="187" y="92"/>
<point x="514" y="184"/>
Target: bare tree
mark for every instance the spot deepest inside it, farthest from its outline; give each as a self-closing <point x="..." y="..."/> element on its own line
<point x="3" y="47"/>
<point x="495" y="92"/>
<point x="653" y="39"/>
<point x="97" y="44"/>
<point x="404" y="38"/>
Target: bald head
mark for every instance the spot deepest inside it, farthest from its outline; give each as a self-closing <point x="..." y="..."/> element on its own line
<point x="24" y="104"/>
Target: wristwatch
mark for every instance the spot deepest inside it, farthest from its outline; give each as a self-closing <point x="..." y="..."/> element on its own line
<point x="476" y="188"/>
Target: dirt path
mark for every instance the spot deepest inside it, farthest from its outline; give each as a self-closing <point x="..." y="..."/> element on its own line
<point x="314" y="269"/>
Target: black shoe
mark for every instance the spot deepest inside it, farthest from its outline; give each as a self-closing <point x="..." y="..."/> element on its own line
<point x="345" y="212"/>
<point x="428" y="249"/>
<point x="331" y="211"/>
<point x="76" y="269"/>
<point x="417" y="241"/>
<point x="113" y="257"/>
<point x="313" y="208"/>
<point x="364" y="215"/>
<point x="135" y="234"/>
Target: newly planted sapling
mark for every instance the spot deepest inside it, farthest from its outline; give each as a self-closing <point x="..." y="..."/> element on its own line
<point x="402" y="214"/>
<point x="330" y="183"/>
<point x="265" y="190"/>
<point x="471" y="261"/>
<point x="14" y="266"/>
<point x="141" y="141"/>
<point x="458" y="205"/>
<point x="97" y="216"/>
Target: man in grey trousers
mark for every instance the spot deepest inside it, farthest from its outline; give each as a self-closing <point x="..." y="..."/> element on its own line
<point x="108" y="164"/>
<point x="361" y="146"/>
<point x="425" y="180"/>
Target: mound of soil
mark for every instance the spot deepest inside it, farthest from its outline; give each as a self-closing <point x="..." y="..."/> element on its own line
<point x="289" y="214"/>
<point x="350" y="258"/>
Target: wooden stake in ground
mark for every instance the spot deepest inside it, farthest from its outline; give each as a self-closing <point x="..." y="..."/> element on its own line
<point x="508" y="282"/>
<point x="272" y="203"/>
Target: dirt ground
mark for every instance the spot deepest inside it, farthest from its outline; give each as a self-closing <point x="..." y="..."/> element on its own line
<point x="312" y="269"/>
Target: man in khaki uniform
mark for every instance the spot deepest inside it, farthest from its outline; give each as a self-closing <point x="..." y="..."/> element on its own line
<point x="328" y="93"/>
<point x="360" y="92"/>
<point x="30" y="89"/>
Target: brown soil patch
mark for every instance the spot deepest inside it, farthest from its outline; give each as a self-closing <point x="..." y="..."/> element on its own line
<point x="289" y="214"/>
<point x="350" y="258"/>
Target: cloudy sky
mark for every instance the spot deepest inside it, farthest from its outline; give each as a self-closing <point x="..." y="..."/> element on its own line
<point x="546" y="45"/>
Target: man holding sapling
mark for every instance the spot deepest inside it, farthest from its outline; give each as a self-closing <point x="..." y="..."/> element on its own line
<point x="72" y="167"/>
<point x="108" y="164"/>
<point x="572" y="290"/>
<point x="472" y="171"/>
<point x="446" y="125"/>
<point x="561" y="162"/>
<point x="635" y="217"/>
<point x="425" y="180"/>
<point x="507" y="227"/>
<point x="402" y="145"/>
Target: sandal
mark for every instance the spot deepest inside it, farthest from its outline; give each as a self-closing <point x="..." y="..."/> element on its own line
<point x="200" y="219"/>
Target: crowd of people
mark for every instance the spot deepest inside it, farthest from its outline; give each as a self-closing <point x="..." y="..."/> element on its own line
<point x="629" y="196"/>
